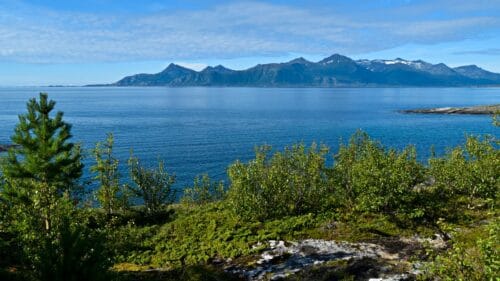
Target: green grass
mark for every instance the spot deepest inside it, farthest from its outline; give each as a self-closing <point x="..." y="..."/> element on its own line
<point x="199" y="235"/>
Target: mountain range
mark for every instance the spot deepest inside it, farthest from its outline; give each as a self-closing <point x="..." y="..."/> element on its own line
<point x="334" y="71"/>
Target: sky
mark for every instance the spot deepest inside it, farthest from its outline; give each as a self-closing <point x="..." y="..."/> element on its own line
<point x="66" y="42"/>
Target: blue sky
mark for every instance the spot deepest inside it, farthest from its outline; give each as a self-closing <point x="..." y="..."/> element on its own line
<point x="46" y="42"/>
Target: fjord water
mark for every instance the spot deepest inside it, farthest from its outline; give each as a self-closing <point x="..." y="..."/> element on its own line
<point x="198" y="130"/>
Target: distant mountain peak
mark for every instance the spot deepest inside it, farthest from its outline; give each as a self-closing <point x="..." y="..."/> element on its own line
<point x="475" y="72"/>
<point x="173" y="66"/>
<point x="217" y="68"/>
<point x="335" y="58"/>
<point x="300" y="60"/>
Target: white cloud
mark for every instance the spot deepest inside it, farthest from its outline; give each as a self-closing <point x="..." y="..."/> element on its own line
<point x="484" y="52"/>
<point x="32" y="34"/>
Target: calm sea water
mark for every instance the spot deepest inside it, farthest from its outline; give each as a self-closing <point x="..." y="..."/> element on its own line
<point x="198" y="130"/>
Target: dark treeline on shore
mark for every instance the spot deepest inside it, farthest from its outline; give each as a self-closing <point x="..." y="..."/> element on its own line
<point x="51" y="229"/>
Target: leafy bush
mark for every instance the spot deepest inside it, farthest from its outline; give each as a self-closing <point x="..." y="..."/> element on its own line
<point x="10" y="250"/>
<point x="292" y="182"/>
<point x="153" y="186"/>
<point x="76" y="253"/>
<point x="479" y="261"/>
<point x="109" y="194"/>
<point x="471" y="171"/>
<point x="370" y="178"/>
<point x="203" y="191"/>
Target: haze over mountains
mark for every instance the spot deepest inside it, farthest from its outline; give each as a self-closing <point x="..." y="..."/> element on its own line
<point x="334" y="71"/>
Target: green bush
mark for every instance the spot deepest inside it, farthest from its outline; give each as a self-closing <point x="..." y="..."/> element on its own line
<point x="110" y="194"/>
<point x="369" y="178"/>
<point x="75" y="253"/>
<point x="152" y="186"/>
<point x="471" y="171"/>
<point x="476" y="262"/>
<point x="292" y="182"/>
<point x="10" y="250"/>
<point x="203" y="191"/>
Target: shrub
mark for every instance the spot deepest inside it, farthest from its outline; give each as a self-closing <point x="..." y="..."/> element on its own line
<point x="74" y="253"/>
<point x="471" y="171"/>
<point x="479" y="261"/>
<point x="10" y="250"/>
<point x="153" y="186"/>
<point x="370" y="178"/>
<point x="203" y="191"/>
<point x="109" y="194"/>
<point x="292" y="182"/>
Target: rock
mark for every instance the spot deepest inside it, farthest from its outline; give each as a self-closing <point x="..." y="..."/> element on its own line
<point x="397" y="277"/>
<point x="279" y="260"/>
<point x="482" y="109"/>
<point x="438" y="241"/>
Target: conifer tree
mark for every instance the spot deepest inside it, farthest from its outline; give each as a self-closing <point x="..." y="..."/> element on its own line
<point x="42" y="166"/>
<point x="41" y="173"/>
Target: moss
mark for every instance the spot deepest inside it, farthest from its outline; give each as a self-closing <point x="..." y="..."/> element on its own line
<point x="129" y="267"/>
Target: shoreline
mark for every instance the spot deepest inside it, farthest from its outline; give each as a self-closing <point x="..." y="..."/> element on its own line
<point x="475" y="110"/>
<point x="5" y="147"/>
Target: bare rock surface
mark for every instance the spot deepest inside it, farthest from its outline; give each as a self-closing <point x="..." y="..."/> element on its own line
<point x="282" y="259"/>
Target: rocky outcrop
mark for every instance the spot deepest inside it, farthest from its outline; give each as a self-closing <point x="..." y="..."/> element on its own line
<point x="483" y="109"/>
<point x="368" y="261"/>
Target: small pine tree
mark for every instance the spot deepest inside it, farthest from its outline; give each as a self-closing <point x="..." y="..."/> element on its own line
<point x="42" y="165"/>
<point x="106" y="170"/>
<point x="41" y="173"/>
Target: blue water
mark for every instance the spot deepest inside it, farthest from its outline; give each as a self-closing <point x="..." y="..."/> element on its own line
<point x="198" y="130"/>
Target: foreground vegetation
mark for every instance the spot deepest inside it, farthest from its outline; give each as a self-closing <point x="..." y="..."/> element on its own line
<point x="49" y="229"/>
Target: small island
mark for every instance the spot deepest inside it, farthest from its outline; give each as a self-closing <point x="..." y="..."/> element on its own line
<point x="481" y="109"/>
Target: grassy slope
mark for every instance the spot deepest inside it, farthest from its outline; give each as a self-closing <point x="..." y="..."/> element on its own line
<point x="197" y="237"/>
